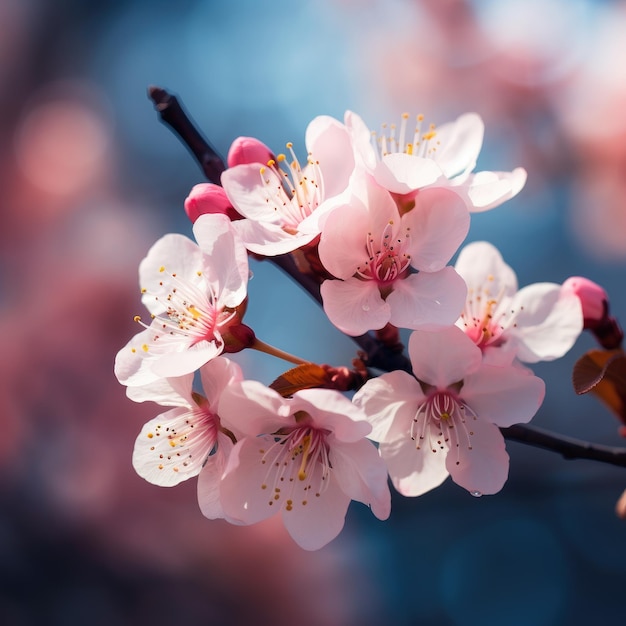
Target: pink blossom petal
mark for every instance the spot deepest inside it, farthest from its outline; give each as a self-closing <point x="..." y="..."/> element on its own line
<point x="503" y="395"/>
<point x="173" y="446"/>
<point x="171" y="364"/>
<point x="132" y="365"/>
<point x="216" y="376"/>
<point x="210" y="478"/>
<point x="444" y="357"/>
<point x="548" y="323"/>
<point x="313" y="525"/>
<point x="483" y="468"/>
<point x="460" y="144"/>
<point x="328" y="141"/>
<point x="487" y="190"/>
<point x="439" y="223"/>
<point x="362" y="475"/>
<point x="342" y="243"/>
<point x="227" y="267"/>
<point x="361" y="140"/>
<point x="427" y="300"/>
<point x="209" y="489"/>
<point x="252" y="408"/>
<point x="354" y="306"/>
<point x="413" y="472"/>
<point x="402" y="173"/>
<point x="165" y="391"/>
<point x="269" y="239"/>
<point x="242" y="494"/>
<point x="389" y="398"/>
<point x="172" y="254"/>
<point x="332" y="411"/>
<point x="246" y="190"/>
<point x="482" y="267"/>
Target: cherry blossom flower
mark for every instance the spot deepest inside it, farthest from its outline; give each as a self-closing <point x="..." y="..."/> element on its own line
<point x="373" y="251"/>
<point x="406" y="160"/>
<point x="193" y="293"/>
<point x="187" y="440"/>
<point x="540" y="322"/>
<point x="283" y="201"/>
<point x="306" y="457"/>
<point x="444" y="421"/>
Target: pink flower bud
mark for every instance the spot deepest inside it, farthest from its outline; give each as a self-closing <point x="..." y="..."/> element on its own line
<point x="209" y="198"/>
<point x="595" y="305"/>
<point x="246" y="150"/>
<point x="593" y="298"/>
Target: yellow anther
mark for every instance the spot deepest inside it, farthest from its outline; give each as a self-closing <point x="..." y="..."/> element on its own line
<point x="405" y="116"/>
<point x="262" y="170"/>
<point x="137" y="318"/>
<point x="145" y="347"/>
<point x="428" y="136"/>
<point x="420" y="117"/>
<point x="271" y="162"/>
<point x="150" y="435"/>
<point x="172" y="443"/>
<point x="306" y="444"/>
<point x="280" y="157"/>
<point x="194" y="312"/>
<point x="289" y="145"/>
<point x="162" y="268"/>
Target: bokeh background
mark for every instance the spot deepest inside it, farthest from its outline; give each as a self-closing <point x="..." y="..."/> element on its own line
<point x="89" y="179"/>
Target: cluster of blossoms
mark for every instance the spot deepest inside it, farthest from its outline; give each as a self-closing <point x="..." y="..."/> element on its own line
<point x="373" y="219"/>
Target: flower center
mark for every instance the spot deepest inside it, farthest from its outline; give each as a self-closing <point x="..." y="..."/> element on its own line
<point x="486" y="317"/>
<point x="298" y="466"/>
<point x="392" y="139"/>
<point x="387" y="259"/>
<point x="296" y="193"/>
<point x="443" y="422"/>
<point x="185" y="441"/>
<point x="190" y="312"/>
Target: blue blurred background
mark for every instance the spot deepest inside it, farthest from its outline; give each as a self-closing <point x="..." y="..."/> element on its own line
<point x="90" y="179"/>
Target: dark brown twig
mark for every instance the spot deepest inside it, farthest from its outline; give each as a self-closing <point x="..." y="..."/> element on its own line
<point x="175" y="117"/>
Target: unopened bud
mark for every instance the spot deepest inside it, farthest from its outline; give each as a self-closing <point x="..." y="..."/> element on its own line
<point x="595" y="305"/>
<point x="209" y="198"/>
<point x="238" y="337"/>
<point x="593" y="299"/>
<point x="245" y="150"/>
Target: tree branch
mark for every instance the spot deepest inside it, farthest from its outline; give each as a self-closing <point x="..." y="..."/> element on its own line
<point x="378" y="355"/>
<point x="175" y="117"/>
<point x="568" y="447"/>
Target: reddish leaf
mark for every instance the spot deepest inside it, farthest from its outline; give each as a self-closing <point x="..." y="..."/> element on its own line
<point x="603" y="372"/>
<point x="304" y="376"/>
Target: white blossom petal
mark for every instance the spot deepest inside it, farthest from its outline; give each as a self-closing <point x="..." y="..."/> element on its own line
<point x="354" y="306"/>
<point x="443" y="357"/>
<point x="427" y="300"/>
<point x="483" y="467"/>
